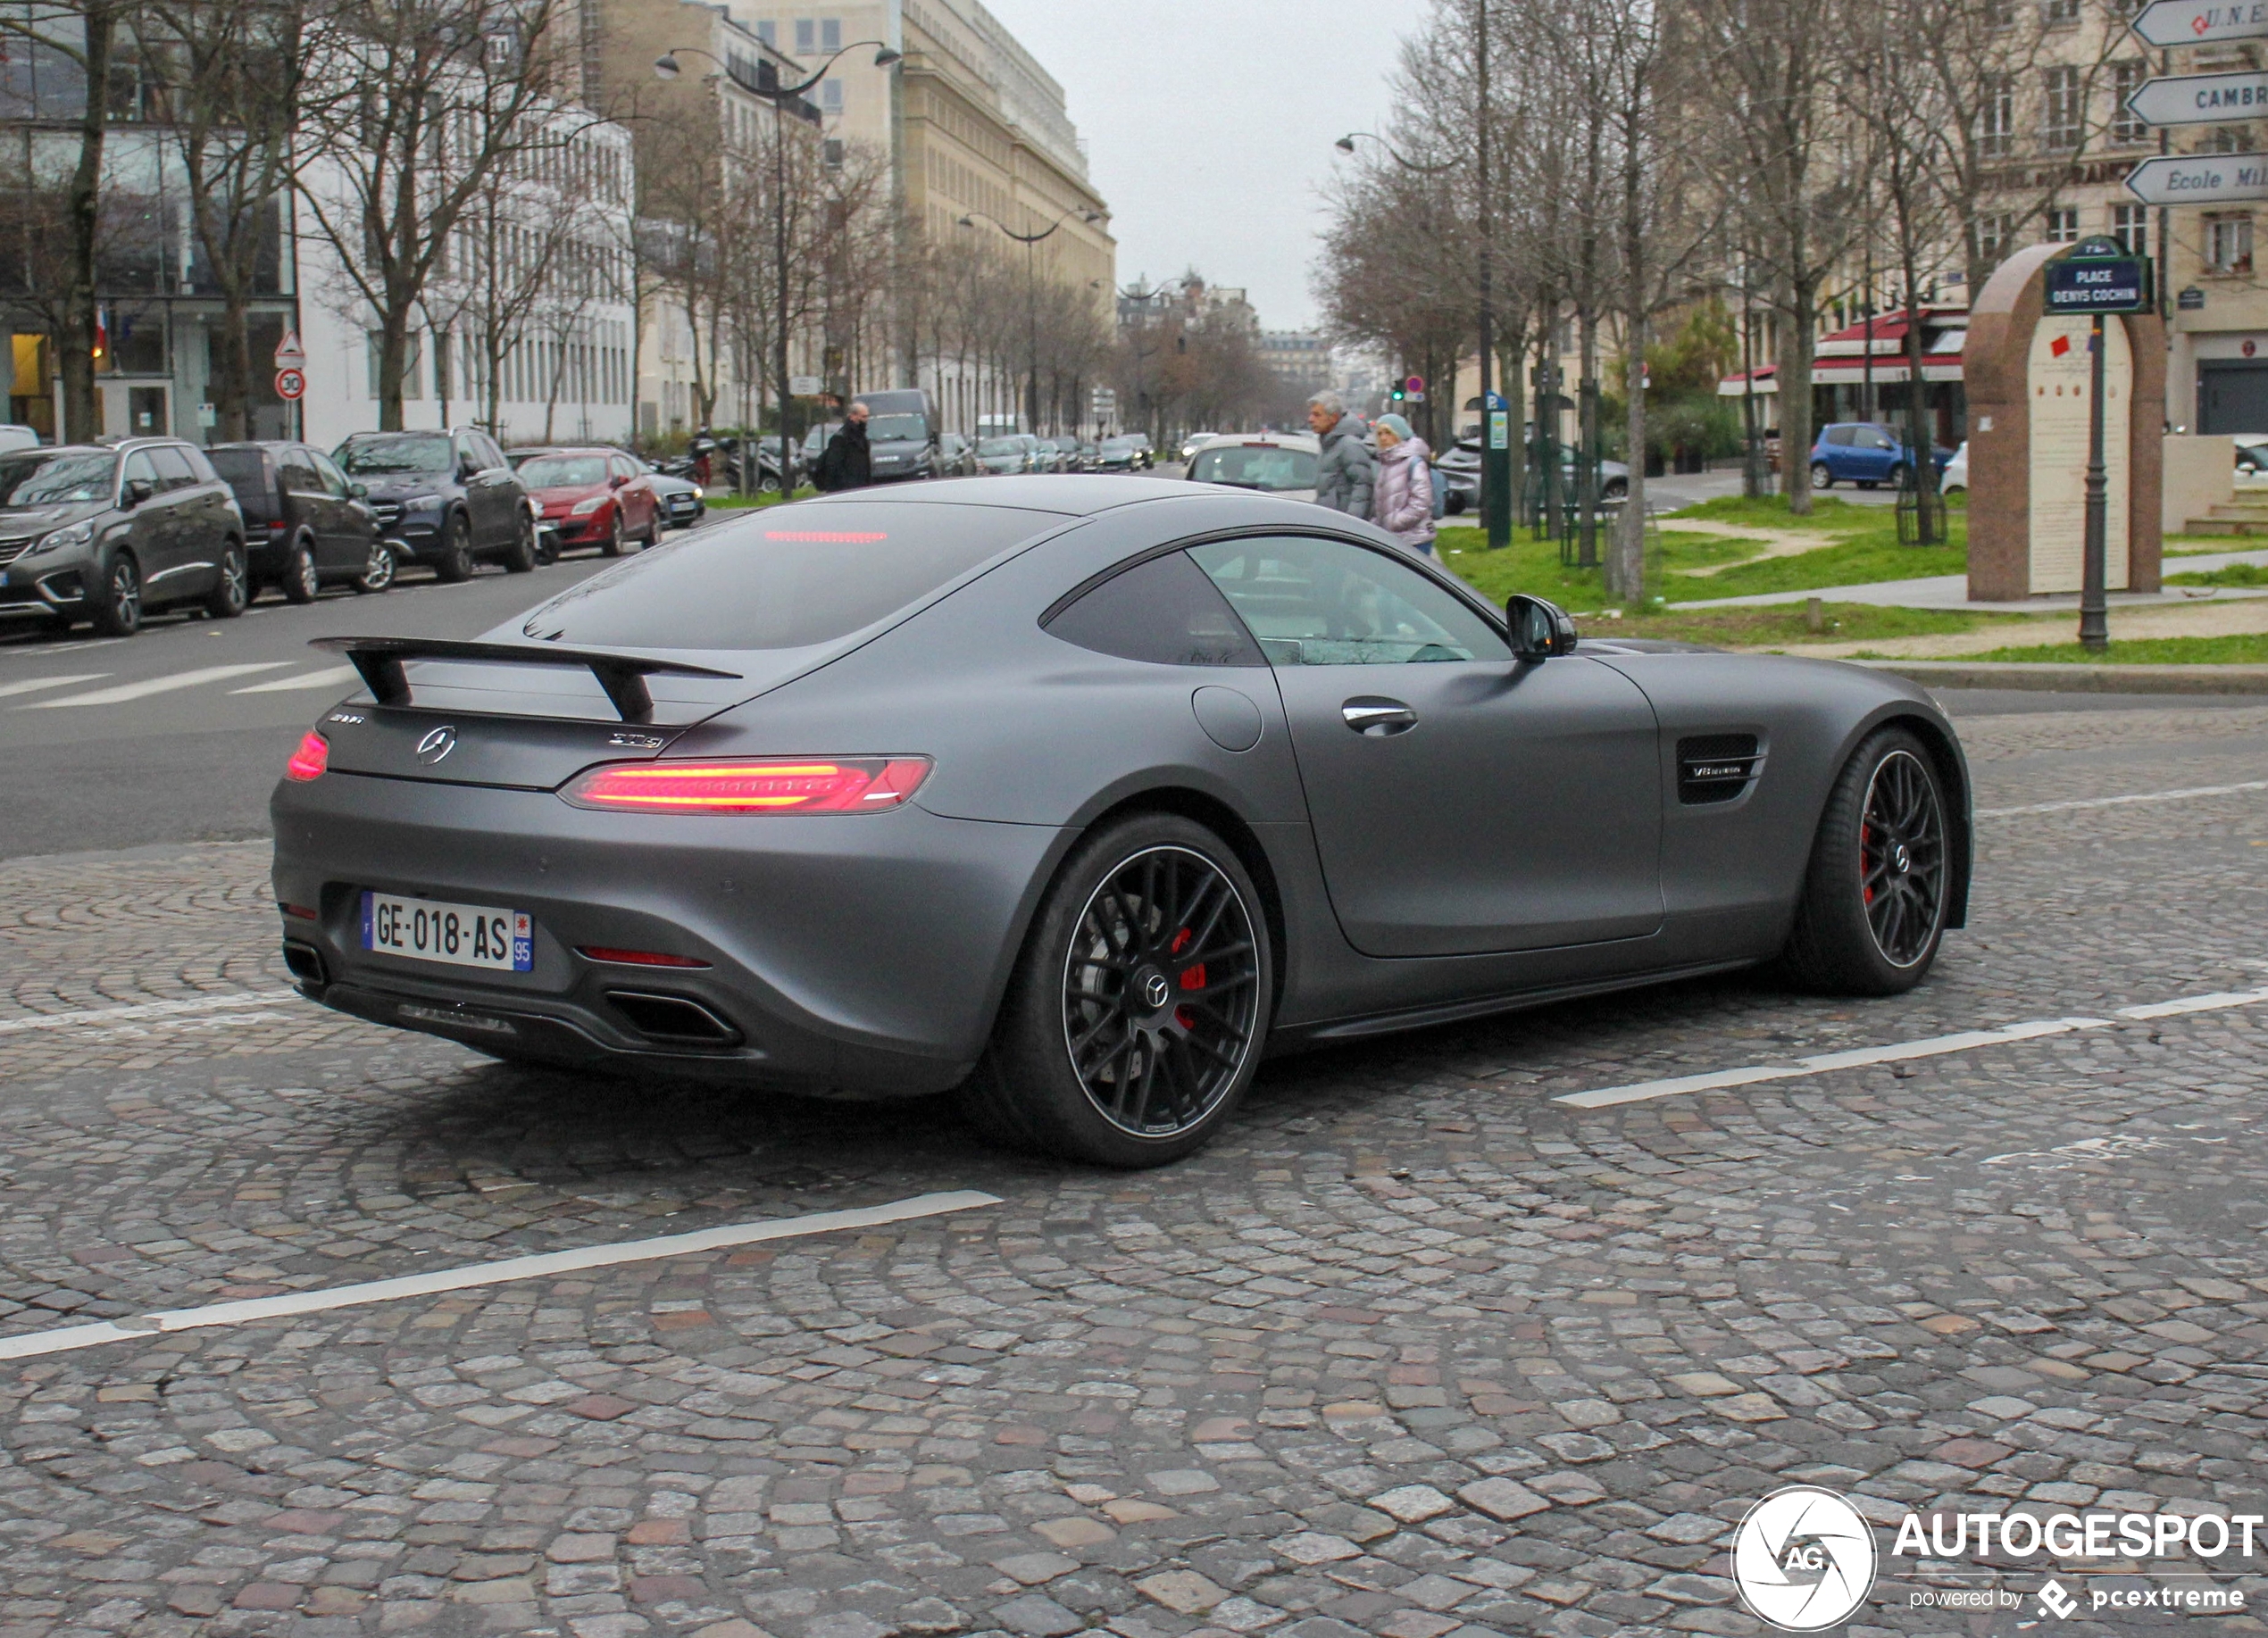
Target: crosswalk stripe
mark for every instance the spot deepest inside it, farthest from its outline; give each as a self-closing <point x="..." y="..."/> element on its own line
<point x="158" y="684"/>
<point x="331" y="677"/>
<point x="36" y="683"/>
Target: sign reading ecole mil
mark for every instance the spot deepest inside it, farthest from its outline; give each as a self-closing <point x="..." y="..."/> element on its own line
<point x="2199" y="179"/>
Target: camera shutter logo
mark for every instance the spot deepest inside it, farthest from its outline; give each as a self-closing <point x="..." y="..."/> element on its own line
<point x="1803" y="1559"/>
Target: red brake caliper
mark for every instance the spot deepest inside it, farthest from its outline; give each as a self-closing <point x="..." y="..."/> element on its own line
<point x="1865" y="835"/>
<point x="1192" y="979"/>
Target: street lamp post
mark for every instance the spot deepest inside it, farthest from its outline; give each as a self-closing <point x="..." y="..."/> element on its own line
<point x="667" y="67"/>
<point x="1031" y="295"/>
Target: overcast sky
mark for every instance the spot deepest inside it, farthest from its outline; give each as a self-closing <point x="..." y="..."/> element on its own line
<point x="1209" y="126"/>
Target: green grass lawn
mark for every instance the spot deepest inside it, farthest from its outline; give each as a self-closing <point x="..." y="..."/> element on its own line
<point x="2232" y="574"/>
<point x="2249" y="649"/>
<point x="1783" y="625"/>
<point x="724" y="500"/>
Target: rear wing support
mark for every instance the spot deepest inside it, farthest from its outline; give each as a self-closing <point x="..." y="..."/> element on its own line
<point x="379" y="660"/>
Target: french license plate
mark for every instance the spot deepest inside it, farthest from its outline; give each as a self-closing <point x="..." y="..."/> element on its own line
<point x="458" y="935"/>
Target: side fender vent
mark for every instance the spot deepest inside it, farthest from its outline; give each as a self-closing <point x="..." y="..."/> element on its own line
<point x="1716" y="767"/>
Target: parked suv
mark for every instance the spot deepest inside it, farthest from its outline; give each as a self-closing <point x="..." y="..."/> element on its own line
<point x="104" y="533"/>
<point x="1866" y="455"/>
<point x="307" y="523"/>
<point x="450" y="498"/>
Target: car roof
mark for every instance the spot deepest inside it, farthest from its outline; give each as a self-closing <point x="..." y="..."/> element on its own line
<point x="1074" y="494"/>
<point x="573" y="449"/>
<point x="1286" y="440"/>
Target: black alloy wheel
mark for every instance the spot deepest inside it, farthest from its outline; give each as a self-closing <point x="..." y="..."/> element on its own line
<point x="456" y="562"/>
<point x="1139" y="1009"/>
<point x="379" y="572"/>
<point x="520" y="557"/>
<point x="303" y="581"/>
<point x="1876" y="894"/>
<point x="614" y="544"/>
<point x="231" y="592"/>
<point x="117" y="611"/>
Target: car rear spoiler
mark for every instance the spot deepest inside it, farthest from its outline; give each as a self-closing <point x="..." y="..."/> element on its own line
<point x="622" y="675"/>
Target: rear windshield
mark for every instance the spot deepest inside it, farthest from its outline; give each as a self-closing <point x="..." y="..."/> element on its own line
<point x="1001" y="446"/>
<point x="896" y="429"/>
<point x="246" y="469"/>
<point x="1254" y="466"/>
<point x="797" y="575"/>
<point x="564" y="472"/>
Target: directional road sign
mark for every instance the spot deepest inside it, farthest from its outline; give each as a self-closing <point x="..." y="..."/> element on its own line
<point x="805" y="387"/>
<point x="2199" y="22"/>
<point x="290" y="384"/>
<point x="2201" y="99"/>
<point x="2200" y="178"/>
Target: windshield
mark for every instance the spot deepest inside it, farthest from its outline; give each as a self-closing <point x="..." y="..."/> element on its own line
<point x="1001" y="446"/>
<point x="564" y="472"/>
<point x="51" y="480"/>
<point x="799" y="575"/>
<point x="1254" y="466"/>
<point x="897" y="429"/>
<point x="377" y="457"/>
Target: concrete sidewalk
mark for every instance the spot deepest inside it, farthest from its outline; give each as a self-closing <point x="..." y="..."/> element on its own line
<point x="2080" y="678"/>
<point x="1952" y="592"/>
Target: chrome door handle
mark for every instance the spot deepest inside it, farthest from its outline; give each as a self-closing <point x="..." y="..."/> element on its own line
<point x="1376" y="718"/>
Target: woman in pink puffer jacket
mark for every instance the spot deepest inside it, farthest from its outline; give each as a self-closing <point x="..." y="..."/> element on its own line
<point x="1402" y="496"/>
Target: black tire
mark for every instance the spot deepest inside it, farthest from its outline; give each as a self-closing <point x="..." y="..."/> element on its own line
<point x="1899" y="477"/>
<point x="613" y="544"/>
<point x="378" y="570"/>
<point x="231" y="592"/>
<point x="456" y="562"/>
<point x="520" y="556"/>
<point x="303" y="580"/>
<point x="1874" y="898"/>
<point x="1113" y="1045"/>
<point x="117" y="606"/>
<point x="1617" y="489"/>
<point x="1821" y="477"/>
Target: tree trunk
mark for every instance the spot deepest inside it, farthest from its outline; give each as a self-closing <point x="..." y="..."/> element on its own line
<point x="1795" y="400"/>
<point x="233" y="395"/>
<point x="392" y="364"/>
<point x="75" y="362"/>
<point x="1626" y="564"/>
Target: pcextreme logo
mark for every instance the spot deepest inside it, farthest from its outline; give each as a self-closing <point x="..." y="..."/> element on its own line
<point x="1803" y="1559"/>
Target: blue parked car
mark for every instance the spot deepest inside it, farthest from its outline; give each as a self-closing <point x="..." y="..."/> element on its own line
<point x="1864" y="454"/>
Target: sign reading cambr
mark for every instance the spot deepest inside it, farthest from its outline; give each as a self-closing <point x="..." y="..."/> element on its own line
<point x="2098" y="276"/>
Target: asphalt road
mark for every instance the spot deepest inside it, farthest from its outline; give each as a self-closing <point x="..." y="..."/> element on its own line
<point x="178" y="733"/>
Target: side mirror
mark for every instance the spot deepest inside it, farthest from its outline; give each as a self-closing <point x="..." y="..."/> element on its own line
<point x="137" y="490"/>
<point x="359" y="491"/>
<point x="617" y="481"/>
<point x="1539" y="629"/>
<point x="467" y="472"/>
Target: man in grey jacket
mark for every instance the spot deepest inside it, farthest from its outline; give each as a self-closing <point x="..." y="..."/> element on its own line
<point x="1344" y="475"/>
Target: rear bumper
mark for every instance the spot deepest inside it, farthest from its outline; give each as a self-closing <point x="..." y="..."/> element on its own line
<point x="862" y="954"/>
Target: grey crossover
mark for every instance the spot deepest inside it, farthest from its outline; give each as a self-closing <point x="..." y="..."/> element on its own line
<point x="450" y="498"/>
<point x="105" y="533"/>
<point x="1079" y="795"/>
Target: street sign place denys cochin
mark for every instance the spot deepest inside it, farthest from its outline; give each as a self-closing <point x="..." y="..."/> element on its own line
<point x="2200" y="22"/>
<point x="2201" y="99"/>
<point x="2200" y="178"/>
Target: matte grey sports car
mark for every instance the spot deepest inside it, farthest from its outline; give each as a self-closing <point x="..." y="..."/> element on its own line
<point x="1078" y="794"/>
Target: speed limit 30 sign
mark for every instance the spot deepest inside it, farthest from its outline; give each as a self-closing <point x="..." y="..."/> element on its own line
<point x="290" y="384"/>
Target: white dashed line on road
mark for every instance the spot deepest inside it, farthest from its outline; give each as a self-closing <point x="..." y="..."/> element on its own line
<point x="2119" y="802"/>
<point x="542" y="1266"/>
<point x="39" y="684"/>
<point x="144" y="1009"/>
<point x="1936" y="1046"/>
<point x="334" y="676"/>
<point x="149" y="685"/>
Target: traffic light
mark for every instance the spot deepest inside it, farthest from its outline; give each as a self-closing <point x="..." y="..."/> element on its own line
<point x="1397" y="395"/>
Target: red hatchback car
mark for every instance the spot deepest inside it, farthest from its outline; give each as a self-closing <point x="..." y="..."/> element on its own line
<point x="594" y="497"/>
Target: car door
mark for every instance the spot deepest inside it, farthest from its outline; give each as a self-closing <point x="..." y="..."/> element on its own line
<point x="1876" y="452"/>
<point x="1461" y="803"/>
<point x="635" y="497"/>
<point x="1835" y="449"/>
<point x="349" y="526"/>
<point x="487" y="494"/>
<point x="150" y="534"/>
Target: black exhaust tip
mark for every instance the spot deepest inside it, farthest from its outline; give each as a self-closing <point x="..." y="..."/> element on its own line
<point x="673" y="1019"/>
<point x="305" y="962"/>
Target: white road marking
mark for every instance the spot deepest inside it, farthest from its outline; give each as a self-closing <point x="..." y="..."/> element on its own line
<point x="159" y="685"/>
<point x="144" y="1009"/>
<point x="542" y="1266"/>
<point x="2119" y="802"/>
<point x="1936" y="1046"/>
<point x="38" y="683"/>
<point x="331" y="678"/>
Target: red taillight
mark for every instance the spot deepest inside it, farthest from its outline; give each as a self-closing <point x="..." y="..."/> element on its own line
<point x="309" y="759"/>
<point x="278" y="528"/>
<point x="300" y="910"/>
<point x="804" y="785"/>
<point x="635" y="958"/>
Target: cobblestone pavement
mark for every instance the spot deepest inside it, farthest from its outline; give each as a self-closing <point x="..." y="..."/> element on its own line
<point x="1414" y="1351"/>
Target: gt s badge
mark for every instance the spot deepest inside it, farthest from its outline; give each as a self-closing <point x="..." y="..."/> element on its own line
<point x="637" y="742"/>
<point x="437" y="745"/>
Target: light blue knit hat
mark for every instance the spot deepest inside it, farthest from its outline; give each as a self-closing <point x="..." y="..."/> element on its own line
<point x="1397" y="425"/>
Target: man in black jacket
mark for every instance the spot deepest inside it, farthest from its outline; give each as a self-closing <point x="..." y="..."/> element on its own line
<point x="847" y="462"/>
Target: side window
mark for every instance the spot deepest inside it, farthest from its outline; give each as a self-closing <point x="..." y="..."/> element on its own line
<point x="1876" y="438"/>
<point x="619" y="466"/>
<point x="138" y="469"/>
<point x="1164" y="611"/>
<point x="490" y="455"/>
<point x="173" y="470"/>
<point x="334" y="481"/>
<point x="1316" y="601"/>
<point x="199" y="465"/>
<point x="468" y="452"/>
<point x="1838" y="436"/>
